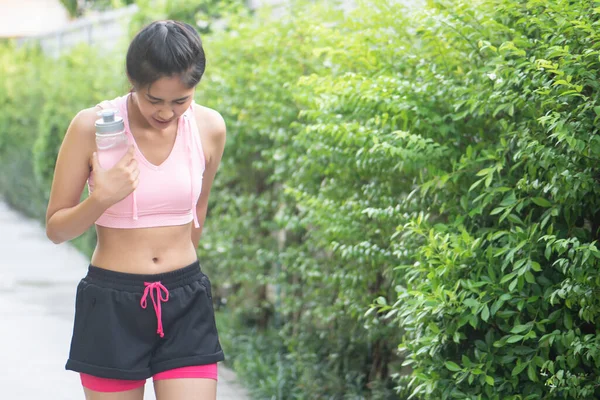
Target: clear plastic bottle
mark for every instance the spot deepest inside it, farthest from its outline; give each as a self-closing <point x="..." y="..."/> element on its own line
<point x="111" y="139"/>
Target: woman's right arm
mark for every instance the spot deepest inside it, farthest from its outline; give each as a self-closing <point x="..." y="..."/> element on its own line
<point x="67" y="217"/>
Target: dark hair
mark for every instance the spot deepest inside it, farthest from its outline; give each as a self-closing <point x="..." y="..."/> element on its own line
<point x="166" y="48"/>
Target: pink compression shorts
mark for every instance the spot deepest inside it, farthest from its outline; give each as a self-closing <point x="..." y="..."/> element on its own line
<point x="120" y="385"/>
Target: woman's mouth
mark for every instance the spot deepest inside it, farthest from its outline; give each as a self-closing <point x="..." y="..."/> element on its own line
<point x="161" y="122"/>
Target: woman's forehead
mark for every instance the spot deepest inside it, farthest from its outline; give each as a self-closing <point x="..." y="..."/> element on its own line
<point x="168" y="88"/>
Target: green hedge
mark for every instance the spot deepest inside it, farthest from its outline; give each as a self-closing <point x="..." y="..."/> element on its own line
<point x="499" y="295"/>
<point x="20" y="105"/>
<point x="291" y="235"/>
<point x="38" y="99"/>
<point x="407" y="201"/>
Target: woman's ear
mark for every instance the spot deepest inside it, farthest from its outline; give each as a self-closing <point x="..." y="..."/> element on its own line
<point x="131" y="84"/>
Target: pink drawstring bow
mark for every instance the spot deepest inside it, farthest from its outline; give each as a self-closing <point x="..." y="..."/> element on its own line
<point x="162" y="295"/>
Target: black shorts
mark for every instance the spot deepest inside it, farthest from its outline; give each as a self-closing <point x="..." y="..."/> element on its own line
<point x="131" y="326"/>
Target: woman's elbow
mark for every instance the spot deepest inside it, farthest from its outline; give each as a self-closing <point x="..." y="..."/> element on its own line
<point x="53" y="238"/>
<point x="52" y="234"/>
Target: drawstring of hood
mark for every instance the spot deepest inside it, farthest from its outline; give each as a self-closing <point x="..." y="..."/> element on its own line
<point x="189" y="138"/>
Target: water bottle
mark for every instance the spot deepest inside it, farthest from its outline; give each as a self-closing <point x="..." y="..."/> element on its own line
<point x="111" y="139"/>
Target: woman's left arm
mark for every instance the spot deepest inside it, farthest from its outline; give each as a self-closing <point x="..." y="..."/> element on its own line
<point x="212" y="134"/>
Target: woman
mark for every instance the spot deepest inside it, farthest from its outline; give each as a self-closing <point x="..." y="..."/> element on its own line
<point x="145" y="307"/>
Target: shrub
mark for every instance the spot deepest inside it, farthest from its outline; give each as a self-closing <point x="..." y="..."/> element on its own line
<point x="305" y="200"/>
<point x="499" y="292"/>
<point x="18" y="128"/>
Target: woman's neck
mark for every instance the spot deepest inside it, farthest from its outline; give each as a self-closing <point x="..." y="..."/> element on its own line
<point x="135" y="116"/>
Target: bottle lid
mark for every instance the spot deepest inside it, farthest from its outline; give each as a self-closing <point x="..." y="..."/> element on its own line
<point x="110" y="122"/>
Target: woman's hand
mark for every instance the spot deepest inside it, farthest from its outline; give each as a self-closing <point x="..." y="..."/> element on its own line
<point x="114" y="184"/>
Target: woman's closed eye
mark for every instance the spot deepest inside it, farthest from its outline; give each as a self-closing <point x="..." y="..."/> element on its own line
<point x="159" y="102"/>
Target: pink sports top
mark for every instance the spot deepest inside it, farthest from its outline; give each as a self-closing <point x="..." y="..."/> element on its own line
<point x="167" y="194"/>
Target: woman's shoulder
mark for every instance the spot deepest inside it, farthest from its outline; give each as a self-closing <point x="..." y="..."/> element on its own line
<point x="211" y="128"/>
<point x="85" y="119"/>
<point x="211" y="125"/>
<point x="80" y="134"/>
<point x="113" y="103"/>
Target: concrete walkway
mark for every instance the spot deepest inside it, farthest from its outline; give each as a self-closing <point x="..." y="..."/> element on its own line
<point x="37" y="294"/>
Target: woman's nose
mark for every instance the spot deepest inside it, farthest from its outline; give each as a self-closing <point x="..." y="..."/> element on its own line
<point x="166" y="114"/>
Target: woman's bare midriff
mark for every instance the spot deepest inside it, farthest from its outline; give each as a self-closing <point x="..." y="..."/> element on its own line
<point x="144" y="251"/>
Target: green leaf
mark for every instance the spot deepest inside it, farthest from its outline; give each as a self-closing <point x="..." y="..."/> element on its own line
<point x="381" y="301"/>
<point x="518" y="369"/>
<point x="477" y="183"/>
<point x="471" y="302"/>
<point x="498" y="109"/>
<point x="514" y="338"/>
<point x="540" y="201"/>
<point x="485" y="172"/>
<point x="507" y="359"/>
<point x="529" y="277"/>
<point x="509" y="200"/>
<point x="452" y="366"/>
<point x="507" y="278"/>
<point x="488" y="180"/>
<point x="489" y="380"/>
<point x="485" y="313"/>
<point x="506" y="296"/>
<point x="434" y="328"/>
<point x="548" y="252"/>
<point x="568" y="320"/>
<point x="531" y="372"/>
<point x="496" y="306"/>
<point x="498" y="235"/>
<point x="497" y="210"/>
<point x="512" y="217"/>
<point x="520" y="328"/>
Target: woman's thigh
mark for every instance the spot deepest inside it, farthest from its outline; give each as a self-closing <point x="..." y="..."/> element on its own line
<point x="186" y="389"/>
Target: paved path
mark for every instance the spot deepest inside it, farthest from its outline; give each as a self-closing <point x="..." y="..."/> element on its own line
<point x="37" y="294"/>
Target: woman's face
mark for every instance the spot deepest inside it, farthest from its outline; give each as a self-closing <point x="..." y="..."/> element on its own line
<point x="164" y="101"/>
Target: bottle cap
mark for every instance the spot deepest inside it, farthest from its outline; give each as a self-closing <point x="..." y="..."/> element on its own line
<point x="110" y="122"/>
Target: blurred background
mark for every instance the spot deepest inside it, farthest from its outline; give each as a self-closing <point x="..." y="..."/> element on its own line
<point x="408" y="202"/>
